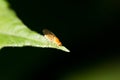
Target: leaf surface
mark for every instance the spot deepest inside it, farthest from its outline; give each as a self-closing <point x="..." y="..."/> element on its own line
<point x="15" y="34"/>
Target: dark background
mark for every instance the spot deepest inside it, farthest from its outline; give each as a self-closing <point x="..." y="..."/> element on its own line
<point x="89" y="28"/>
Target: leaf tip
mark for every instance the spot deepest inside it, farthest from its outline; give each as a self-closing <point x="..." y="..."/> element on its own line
<point x="64" y="49"/>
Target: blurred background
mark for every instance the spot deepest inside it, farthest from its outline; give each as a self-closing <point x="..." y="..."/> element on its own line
<point x="89" y="28"/>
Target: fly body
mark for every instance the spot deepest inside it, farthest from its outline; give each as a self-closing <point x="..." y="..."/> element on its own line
<point x="51" y="37"/>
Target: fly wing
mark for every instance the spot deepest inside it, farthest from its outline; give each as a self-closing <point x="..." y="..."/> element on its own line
<point x="47" y="32"/>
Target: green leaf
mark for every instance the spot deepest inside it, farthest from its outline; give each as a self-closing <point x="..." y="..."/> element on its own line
<point x="14" y="33"/>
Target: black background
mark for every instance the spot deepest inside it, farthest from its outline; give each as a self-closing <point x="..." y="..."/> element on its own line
<point x="90" y="29"/>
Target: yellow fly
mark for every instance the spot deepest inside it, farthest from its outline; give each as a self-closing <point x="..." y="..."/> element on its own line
<point x="51" y="36"/>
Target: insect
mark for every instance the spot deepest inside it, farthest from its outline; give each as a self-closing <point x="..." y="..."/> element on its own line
<point x="51" y="37"/>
